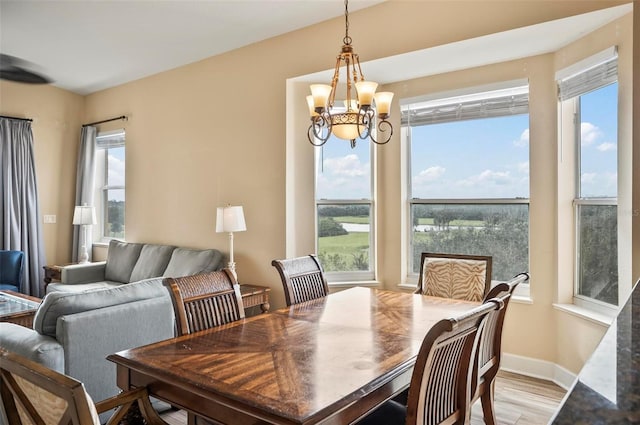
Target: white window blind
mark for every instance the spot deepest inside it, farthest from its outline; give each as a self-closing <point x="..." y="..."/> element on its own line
<point x="602" y="71"/>
<point x="496" y="103"/>
<point x="111" y="139"/>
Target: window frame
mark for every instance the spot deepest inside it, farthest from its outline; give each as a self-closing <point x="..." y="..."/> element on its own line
<point x="585" y="76"/>
<point x="102" y="188"/>
<point x="342" y="277"/>
<point x="406" y="133"/>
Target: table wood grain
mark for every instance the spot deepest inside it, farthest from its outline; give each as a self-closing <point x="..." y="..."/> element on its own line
<point x="325" y="361"/>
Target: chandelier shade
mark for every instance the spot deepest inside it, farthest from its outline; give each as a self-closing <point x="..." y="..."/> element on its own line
<point x="362" y="115"/>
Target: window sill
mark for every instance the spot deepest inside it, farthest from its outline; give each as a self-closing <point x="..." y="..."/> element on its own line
<point x="585" y="313"/>
<point x="365" y="283"/>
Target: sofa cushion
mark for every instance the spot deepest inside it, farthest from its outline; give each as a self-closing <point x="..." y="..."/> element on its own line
<point x="58" y="304"/>
<point x="121" y="258"/>
<point x="81" y="287"/>
<point x="186" y="262"/>
<point x="152" y="262"/>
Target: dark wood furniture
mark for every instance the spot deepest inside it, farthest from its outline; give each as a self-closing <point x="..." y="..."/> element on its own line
<point x="18" y="308"/>
<point x="329" y="360"/>
<point x="302" y="278"/>
<point x="52" y="398"/>
<point x="255" y="295"/>
<point x="440" y="389"/>
<point x="464" y="277"/>
<point x="205" y="300"/>
<point x="52" y="273"/>
<point x="490" y="348"/>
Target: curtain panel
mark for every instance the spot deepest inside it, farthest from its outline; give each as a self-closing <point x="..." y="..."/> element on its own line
<point x="20" y="224"/>
<point x="85" y="176"/>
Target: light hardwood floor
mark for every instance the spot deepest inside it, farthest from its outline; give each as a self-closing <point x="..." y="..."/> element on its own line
<point x="520" y="400"/>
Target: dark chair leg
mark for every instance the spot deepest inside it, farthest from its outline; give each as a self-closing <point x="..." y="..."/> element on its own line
<point x="487" y="399"/>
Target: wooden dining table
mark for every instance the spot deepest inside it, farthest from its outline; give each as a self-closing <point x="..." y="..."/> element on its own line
<point x="325" y="361"/>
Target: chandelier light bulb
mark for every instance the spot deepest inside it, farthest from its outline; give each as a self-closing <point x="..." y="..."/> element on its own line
<point x="365" y="90"/>
<point x="383" y="103"/>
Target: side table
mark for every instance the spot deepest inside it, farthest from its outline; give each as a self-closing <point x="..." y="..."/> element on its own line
<point x="51" y="273"/>
<point x="254" y="295"/>
<point x="18" y="308"/>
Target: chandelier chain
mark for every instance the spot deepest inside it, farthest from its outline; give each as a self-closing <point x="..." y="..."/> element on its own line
<point x="346" y="40"/>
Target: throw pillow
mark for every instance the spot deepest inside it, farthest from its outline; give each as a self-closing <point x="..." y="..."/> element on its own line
<point x="152" y="262"/>
<point x="121" y="258"/>
<point x="186" y="262"/>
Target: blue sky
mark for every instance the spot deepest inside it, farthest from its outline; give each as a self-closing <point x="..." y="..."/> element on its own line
<point x="599" y="143"/>
<point x="485" y="158"/>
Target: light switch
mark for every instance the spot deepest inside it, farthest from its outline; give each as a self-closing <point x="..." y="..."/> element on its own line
<point x="49" y="219"/>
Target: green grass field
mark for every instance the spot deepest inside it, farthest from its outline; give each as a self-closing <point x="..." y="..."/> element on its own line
<point x="341" y="249"/>
<point x="351" y="219"/>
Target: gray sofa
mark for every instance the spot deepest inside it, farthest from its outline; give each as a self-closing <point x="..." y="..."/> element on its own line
<point x="134" y="262"/>
<point x="101" y="308"/>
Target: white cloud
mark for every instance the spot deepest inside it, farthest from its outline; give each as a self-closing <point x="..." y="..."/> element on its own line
<point x="488" y="177"/>
<point x="523" y="167"/>
<point x="116" y="171"/>
<point x="429" y="175"/>
<point x="344" y="177"/>
<point x="523" y="140"/>
<point x="588" y="178"/>
<point x="589" y="133"/>
<point x="606" y="146"/>
<point x="348" y="166"/>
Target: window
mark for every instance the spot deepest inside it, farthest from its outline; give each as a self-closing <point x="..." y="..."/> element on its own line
<point x="592" y="95"/>
<point x="110" y="185"/>
<point x="469" y="177"/>
<point x="344" y="209"/>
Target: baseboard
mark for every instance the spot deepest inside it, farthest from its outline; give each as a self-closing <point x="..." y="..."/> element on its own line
<point x="537" y="369"/>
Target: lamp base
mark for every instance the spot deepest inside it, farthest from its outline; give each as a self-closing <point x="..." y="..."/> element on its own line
<point x="84" y="255"/>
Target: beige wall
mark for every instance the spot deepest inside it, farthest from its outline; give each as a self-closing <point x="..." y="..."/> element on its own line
<point x="224" y="130"/>
<point x="56" y="125"/>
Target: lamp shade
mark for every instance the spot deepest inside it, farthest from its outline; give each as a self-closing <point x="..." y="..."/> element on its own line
<point x="84" y="215"/>
<point x="230" y="219"/>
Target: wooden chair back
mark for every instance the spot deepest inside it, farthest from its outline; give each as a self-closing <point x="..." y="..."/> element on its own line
<point x="205" y="300"/>
<point x="440" y="389"/>
<point x="302" y="279"/>
<point x="463" y="277"/>
<point x="489" y="351"/>
<point x="32" y="394"/>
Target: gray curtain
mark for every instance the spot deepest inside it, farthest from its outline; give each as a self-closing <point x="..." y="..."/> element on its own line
<point x="19" y="210"/>
<point x="85" y="174"/>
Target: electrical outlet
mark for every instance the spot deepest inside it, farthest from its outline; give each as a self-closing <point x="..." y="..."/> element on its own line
<point x="49" y="219"/>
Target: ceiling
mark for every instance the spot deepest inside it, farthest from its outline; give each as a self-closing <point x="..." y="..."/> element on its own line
<point x="85" y="46"/>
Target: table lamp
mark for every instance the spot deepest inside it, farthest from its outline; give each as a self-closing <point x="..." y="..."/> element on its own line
<point x="230" y="219"/>
<point x="84" y="216"/>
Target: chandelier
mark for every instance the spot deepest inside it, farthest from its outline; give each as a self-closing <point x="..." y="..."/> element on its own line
<point x="355" y="117"/>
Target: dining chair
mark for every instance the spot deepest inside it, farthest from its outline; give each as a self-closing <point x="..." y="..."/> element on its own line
<point x="440" y="387"/>
<point x="31" y="393"/>
<point x="11" y="266"/>
<point x="205" y="300"/>
<point x="463" y="277"/>
<point x="302" y="278"/>
<point x="490" y="347"/>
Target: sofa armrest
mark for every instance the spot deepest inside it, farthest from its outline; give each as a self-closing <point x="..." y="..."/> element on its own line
<point x="28" y="343"/>
<point x="83" y="273"/>
<point x="90" y="336"/>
